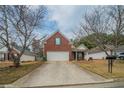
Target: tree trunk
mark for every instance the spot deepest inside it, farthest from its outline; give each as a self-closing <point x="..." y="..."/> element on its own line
<point x="16" y="61"/>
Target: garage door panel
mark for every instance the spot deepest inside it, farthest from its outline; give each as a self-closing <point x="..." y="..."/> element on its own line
<point x="57" y="56"/>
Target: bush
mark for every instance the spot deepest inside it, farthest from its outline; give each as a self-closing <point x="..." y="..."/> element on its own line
<point x="90" y="58"/>
<point x="44" y="58"/>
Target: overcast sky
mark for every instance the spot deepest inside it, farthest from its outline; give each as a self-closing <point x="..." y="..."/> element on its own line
<point x="63" y="18"/>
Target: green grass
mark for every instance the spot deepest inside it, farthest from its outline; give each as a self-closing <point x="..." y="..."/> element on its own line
<point x="12" y="74"/>
<point x="101" y="67"/>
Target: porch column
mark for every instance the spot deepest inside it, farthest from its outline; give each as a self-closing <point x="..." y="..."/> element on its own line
<point x="82" y="55"/>
<point x="5" y="56"/>
<point x="76" y="55"/>
<point x="86" y="56"/>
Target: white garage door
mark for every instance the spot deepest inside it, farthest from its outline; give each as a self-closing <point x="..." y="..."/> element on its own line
<point x="58" y="56"/>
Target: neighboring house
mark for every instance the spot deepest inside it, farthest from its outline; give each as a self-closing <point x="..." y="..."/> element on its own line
<point x="27" y="56"/>
<point x="4" y="54"/>
<point x="120" y="49"/>
<point x="58" y="48"/>
<point x="97" y="53"/>
<point x="36" y="46"/>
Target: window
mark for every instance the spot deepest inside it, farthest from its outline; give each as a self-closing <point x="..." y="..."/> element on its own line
<point x="58" y="41"/>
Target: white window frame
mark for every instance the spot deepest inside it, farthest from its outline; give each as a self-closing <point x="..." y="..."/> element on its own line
<point x="58" y="41"/>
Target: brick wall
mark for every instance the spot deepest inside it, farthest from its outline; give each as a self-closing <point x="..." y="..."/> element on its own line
<point x="51" y="46"/>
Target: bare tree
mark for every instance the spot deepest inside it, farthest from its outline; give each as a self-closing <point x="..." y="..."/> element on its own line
<point x="17" y="24"/>
<point x="116" y="15"/>
<point x="105" y="19"/>
<point x="96" y="22"/>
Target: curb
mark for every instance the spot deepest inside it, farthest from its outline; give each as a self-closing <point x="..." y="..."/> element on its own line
<point x="2" y="86"/>
<point x="61" y="85"/>
<point x="118" y="79"/>
<point x="64" y="85"/>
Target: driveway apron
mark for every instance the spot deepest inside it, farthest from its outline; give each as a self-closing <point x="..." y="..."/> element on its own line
<point x="57" y="73"/>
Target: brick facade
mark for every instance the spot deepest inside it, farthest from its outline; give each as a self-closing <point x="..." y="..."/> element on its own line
<point x="64" y="46"/>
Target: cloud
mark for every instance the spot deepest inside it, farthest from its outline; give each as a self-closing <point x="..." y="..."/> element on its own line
<point x="67" y="17"/>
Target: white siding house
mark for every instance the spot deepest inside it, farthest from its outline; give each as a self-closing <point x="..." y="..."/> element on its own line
<point x="120" y="49"/>
<point x="98" y="54"/>
<point x="27" y="56"/>
<point x="3" y="52"/>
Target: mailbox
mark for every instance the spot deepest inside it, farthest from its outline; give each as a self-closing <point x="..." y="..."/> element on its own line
<point x="111" y="57"/>
<point x="110" y="62"/>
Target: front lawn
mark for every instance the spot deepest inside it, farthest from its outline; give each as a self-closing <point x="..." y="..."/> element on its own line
<point x="5" y="64"/>
<point x="10" y="75"/>
<point x="101" y="67"/>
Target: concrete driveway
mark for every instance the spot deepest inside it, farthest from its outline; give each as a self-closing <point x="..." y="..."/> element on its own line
<point x="57" y="73"/>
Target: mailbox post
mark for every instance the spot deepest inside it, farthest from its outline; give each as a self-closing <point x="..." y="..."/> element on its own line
<point x="110" y="62"/>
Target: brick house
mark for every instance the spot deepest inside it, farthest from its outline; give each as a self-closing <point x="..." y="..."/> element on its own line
<point x="58" y="48"/>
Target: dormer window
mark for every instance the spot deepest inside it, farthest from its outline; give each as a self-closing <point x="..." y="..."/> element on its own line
<point x="57" y="41"/>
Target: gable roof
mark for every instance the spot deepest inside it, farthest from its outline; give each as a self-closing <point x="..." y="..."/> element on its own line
<point x="27" y="52"/>
<point x="81" y="47"/>
<point x="59" y="33"/>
